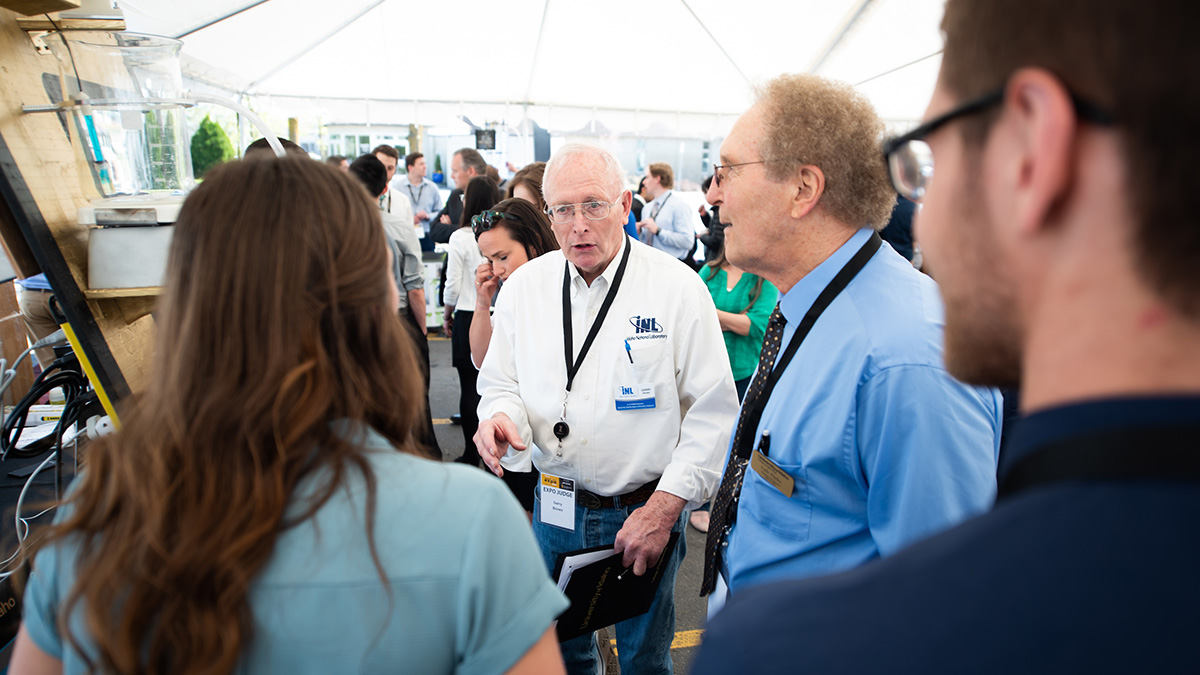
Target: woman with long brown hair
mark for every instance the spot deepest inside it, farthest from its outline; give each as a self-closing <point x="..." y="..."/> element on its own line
<point x="260" y="509"/>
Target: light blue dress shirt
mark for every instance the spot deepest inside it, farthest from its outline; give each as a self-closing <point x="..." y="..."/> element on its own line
<point x="884" y="446"/>
<point x="424" y="197"/>
<point x="467" y="590"/>
<point x="676" y="228"/>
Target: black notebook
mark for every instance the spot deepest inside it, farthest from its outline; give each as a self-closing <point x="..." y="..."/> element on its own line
<point x="600" y="589"/>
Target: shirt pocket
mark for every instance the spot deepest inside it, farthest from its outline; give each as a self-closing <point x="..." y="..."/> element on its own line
<point x="788" y="517"/>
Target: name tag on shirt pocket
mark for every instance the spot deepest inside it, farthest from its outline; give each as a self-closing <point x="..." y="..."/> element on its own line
<point x="634" y="396"/>
<point x="788" y="517"/>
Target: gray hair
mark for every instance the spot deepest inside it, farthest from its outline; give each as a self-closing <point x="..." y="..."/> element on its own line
<point x="610" y="169"/>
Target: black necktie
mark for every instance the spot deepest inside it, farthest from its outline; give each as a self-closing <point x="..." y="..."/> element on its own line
<point x="724" y="507"/>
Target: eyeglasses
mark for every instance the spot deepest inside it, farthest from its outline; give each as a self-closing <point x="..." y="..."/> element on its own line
<point x="717" y="177"/>
<point x="910" y="160"/>
<point x="565" y="213"/>
<point x="489" y="219"/>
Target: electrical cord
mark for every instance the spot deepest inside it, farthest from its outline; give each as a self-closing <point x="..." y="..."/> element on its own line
<point x="72" y="382"/>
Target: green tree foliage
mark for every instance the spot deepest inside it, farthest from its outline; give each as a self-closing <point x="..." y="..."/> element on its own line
<point x="210" y="146"/>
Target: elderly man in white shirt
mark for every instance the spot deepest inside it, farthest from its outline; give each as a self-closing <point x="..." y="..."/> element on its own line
<point x="635" y="426"/>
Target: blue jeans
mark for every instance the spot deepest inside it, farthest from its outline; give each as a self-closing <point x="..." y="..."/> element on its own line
<point x="643" y="642"/>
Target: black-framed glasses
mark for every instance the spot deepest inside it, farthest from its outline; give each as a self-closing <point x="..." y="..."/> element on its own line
<point x="594" y="210"/>
<point x="489" y="219"/>
<point x="910" y="160"/>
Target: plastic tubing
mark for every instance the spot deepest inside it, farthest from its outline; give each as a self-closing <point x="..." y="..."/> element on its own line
<point x="243" y="110"/>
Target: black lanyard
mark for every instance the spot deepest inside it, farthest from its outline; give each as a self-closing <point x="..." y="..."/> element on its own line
<point x="416" y="200"/>
<point x="658" y="209"/>
<point x="839" y="283"/>
<point x="1155" y="454"/>
<point x="568" y="342"/>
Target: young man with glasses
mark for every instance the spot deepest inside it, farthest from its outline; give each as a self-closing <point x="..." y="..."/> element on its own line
<point x="853" y="440"/>
<point x="608" y="356"/>
<point x="1060" y="222"/>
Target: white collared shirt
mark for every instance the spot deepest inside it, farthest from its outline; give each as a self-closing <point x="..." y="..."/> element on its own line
<point x="461" y="262"/>
<point x="665" y="314"/>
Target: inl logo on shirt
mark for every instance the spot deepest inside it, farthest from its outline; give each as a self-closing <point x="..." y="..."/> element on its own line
<point x="627" y="391"/>
<point x="647" y="325"/>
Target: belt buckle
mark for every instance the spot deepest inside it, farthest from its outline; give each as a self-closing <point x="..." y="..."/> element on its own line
<point x="587" y="500"/>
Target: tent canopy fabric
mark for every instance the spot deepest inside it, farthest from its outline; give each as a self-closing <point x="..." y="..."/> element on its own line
<point x="637" y="61"/>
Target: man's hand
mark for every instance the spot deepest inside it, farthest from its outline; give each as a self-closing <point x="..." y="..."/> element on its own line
<point x="703" y="210"/>
<point x="448" y="322"/>
<point x="486" y="281"/>
<point x="493" y="438"/>
<point x="445" y="220"/>
<point x="647" y="531"/>
<point x="421" y="215"/>
<point x="648" y="224"/>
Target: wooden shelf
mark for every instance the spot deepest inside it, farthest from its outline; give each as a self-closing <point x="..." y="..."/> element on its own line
<point x="145" y="291"/>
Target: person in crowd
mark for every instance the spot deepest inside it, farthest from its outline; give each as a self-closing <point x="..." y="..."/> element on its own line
<point x="511" y="234"/>
<point x="410" y="276"/>
<point x="635" y="467"/>
<point x="669" y="227"/>
<point x="465" y="164"/>
<point x="262" y="145"/>
<point x="422" y="193"/>
<point x="269" y="463"/>
<point x="401" y="208"/>
<point x="1058" y="212"/>
<point x="461" y="262"/>
<point x="338" y="162"/>
<point x="714" y="238"/>
<point x="853" y="439"/>
<point x="33" y="299"/>
<point x="527" y="184"/>
<point x="898" y="232"/>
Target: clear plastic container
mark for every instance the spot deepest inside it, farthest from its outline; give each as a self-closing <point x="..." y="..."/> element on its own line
<point x="128" y="119"/>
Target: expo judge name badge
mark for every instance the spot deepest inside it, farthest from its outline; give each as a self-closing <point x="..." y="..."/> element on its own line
<point x="634" y="396"/>
<point x="558" y="502"/>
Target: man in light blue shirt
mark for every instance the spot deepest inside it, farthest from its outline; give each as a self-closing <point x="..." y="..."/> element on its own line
<point x="668" y="224"/>
<point x="872" y="445"/>
<point x="422" y="192"/>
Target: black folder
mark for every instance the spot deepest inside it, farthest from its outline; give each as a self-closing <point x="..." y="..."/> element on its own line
<point x="603" y="593"/>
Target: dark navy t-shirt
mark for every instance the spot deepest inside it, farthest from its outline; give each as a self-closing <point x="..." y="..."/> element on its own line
<point x="1071" y="577"/>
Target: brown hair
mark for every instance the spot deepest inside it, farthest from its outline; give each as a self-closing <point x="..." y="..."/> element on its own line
<point x="814" y="121"/>
<point x="481" y="194"/>
<point x="718" y="262"/>
<point x="662" y="171"/>
<point x="530" y="176"/>
<point x="1135" y="62"/>
<point x="387" y="151"/>
<point x="531" y="229"/>
<point x="275" y="330"/>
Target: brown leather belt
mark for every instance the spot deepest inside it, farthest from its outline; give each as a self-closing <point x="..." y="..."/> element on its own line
<point x="591" y="500"/>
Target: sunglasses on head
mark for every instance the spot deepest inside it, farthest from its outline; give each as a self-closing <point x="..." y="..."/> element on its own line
<point x="489" y="219"/>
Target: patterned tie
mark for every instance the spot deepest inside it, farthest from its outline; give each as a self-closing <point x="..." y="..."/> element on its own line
<point x="724" y="507"/>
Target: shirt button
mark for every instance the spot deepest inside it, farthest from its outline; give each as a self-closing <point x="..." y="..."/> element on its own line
<point x="585" y="441"/>
<point x="587" y="397"/>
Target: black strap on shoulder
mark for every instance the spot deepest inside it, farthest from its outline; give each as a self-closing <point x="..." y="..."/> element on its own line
<point x="568" y="338"/>
<point x="1168" y="454"/>
<point x="835" y="287"/>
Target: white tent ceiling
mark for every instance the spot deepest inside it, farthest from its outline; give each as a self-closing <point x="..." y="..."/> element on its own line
<point x="630" y="64"/>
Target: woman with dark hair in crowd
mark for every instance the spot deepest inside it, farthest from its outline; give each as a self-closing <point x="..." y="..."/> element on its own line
<point x="459" y="297"/>
<point x="527" y="184"/>
<point x="260" y="509"/>
<point x="509" y="235"/>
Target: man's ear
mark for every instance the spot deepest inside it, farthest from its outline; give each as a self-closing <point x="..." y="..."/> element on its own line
<point x="807" y="188"/>
<point x="1039" y="124"/>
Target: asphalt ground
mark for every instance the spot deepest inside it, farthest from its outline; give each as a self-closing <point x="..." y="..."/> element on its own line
<point x="690" y="608"/>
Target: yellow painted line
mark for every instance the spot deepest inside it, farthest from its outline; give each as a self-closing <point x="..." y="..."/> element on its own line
<point x="105" y="402"/>
<point x="441" y="420"/>
<point x="683" y="640"/>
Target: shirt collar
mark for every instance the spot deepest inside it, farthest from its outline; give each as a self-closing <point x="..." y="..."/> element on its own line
<point x="577" y="283"/>
<point x="1052" y="425"/>
<point x="661" y="198"/>
<point x="795" y="303"/>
